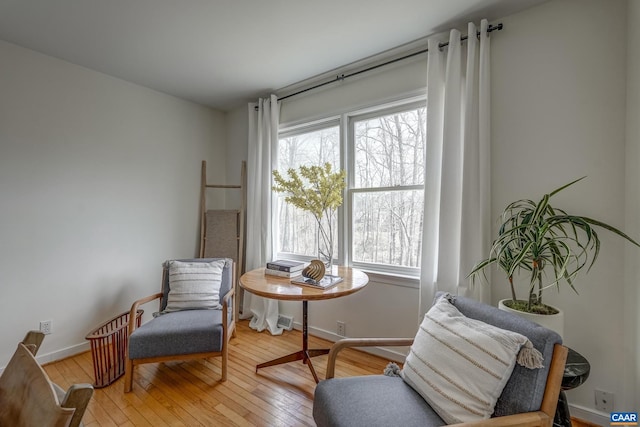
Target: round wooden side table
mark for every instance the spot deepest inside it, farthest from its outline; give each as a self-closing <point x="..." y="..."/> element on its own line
<point x="281" y="288"/>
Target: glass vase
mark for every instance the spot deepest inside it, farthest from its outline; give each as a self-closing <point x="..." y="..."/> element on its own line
<point x="325" y="247"/>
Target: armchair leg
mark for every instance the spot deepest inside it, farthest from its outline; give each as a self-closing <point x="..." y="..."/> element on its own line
<point x="225" y="357"/>
<point x="128" y="375"/>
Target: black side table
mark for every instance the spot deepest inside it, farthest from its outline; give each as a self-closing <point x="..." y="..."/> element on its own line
<point x="576" y="372"/>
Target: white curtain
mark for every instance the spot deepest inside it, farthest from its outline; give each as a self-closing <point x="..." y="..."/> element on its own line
<point x="263" y="137"/>
<point x="457" y="222"/>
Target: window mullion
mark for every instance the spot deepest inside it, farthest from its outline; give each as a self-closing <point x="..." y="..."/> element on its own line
<point x="347" y="164"/>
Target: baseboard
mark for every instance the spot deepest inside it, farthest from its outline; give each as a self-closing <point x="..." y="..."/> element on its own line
<point x="54" y="356"/>
<point x="589" y="414"/>
<point x="64" y="353"/>
<point x="377" y="351"/>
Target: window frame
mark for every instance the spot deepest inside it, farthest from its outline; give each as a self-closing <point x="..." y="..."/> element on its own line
<point x="351" y="190"/>
<point x="285" y="132"/>
<point x="389" y="274"/>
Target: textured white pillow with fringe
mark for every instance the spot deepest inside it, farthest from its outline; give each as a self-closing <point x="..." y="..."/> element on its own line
<point x="194" y="285"/>
<point x="460" y="365"/>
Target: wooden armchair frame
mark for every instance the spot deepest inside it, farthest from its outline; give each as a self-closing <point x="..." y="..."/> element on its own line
<point x="228" y="332"/>
<point x="543" y="417"/>
<point x="45" y="403"/>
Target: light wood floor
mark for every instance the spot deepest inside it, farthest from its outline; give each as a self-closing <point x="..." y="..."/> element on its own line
<point x="189" y="393"/>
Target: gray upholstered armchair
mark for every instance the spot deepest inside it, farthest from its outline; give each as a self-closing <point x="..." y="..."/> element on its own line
<point x="184" y="329"/>
<point x="528" y="399"/>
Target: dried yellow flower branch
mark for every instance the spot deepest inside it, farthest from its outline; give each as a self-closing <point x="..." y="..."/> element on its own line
<point x="323" y="191"/>
<point x="315" y="189"/>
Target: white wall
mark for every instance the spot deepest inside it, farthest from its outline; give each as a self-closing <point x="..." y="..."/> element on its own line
<point x="631" y="295"/>
<point x="237" y="131"/>
<point x="387" y="83"/>
<point x="99" y="182"/>
<point x="559" y="111"/>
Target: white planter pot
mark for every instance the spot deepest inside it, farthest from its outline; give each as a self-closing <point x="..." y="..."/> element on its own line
<point x="555" y="322"/>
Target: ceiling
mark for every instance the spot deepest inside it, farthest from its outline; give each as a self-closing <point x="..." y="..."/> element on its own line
<point x="223" y="53"/>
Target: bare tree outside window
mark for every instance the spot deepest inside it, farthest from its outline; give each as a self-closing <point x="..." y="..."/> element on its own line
<point x="298" y="230"/>
<point x="384" y="200"/>
<point x="388" y="193"/>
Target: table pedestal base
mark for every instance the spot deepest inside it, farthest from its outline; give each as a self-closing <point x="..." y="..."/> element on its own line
<point x="576" y="372"/>
<point x="563" y="417"/>
<point x="305" y="354"/>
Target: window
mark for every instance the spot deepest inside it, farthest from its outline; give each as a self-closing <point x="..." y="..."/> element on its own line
<point x="297" y="229"/>
<point x="388" y="187"/>
<point x="380" y="223"/>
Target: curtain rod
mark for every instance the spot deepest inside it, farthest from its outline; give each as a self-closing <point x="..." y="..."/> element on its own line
<point x="341" y="77"/>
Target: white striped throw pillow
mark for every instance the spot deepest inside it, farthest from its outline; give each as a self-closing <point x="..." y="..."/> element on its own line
<point x="460" y="365"/>
<point x="194" y="285"/>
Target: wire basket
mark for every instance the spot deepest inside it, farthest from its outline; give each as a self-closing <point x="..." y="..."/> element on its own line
<point x="109" y="345"/>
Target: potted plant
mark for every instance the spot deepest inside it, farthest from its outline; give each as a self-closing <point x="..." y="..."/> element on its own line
<point x="548" y="244"/>
<point x="318" y="190"/>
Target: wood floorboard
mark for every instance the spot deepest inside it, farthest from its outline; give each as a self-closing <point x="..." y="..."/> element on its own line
<point x="189" y="393"/>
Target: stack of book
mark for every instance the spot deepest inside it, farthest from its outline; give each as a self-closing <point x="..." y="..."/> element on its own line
<point x="284" y="268"/>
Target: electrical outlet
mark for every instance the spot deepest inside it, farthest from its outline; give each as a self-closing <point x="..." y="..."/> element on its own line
<point x="45" y="326"/>
<point x="604" y="401"/>
<point x="340" y="330"/>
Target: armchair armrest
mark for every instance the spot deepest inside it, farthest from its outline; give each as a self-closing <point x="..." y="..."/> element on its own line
<point x="77" y="397"/>
<point x="134" y="309"/>
<point x="227" y="297"/>
<point x="361" y="342"/>
<point x="225" y="313"/>
<point x="527" y="419"/>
